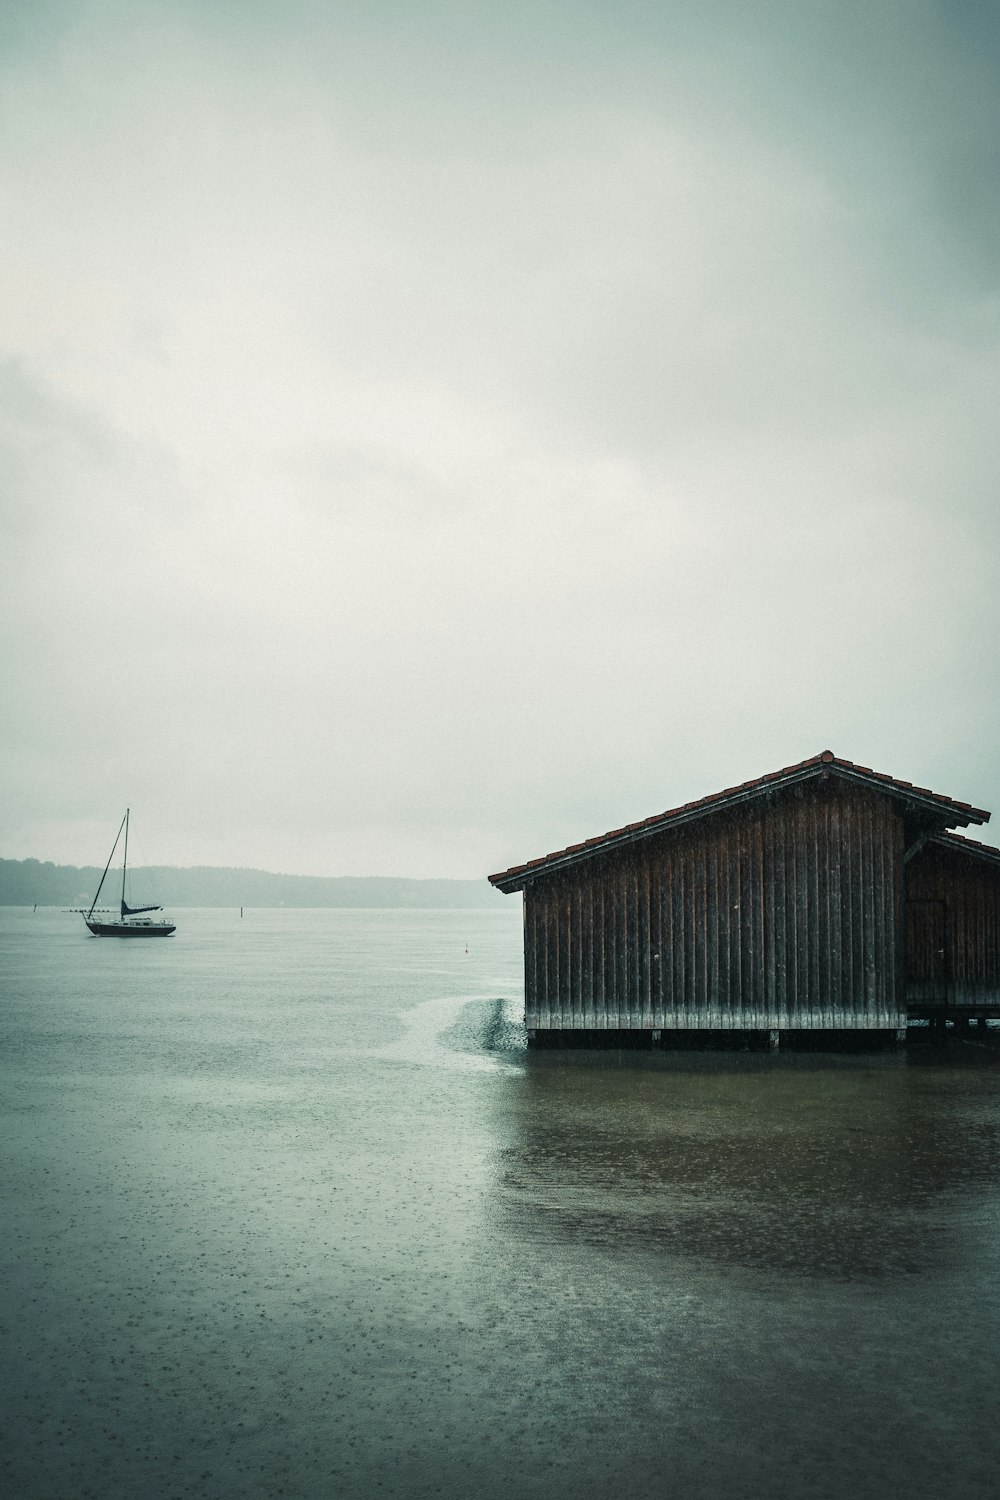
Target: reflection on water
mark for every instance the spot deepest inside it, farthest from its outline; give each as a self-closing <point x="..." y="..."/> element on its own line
<point x="846" y="1168"/>
<point x="289" y="1210"/>
<point x="751" y="1276"/>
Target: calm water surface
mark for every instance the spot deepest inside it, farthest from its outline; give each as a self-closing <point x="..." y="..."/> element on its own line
<point x="288" y="1210"/>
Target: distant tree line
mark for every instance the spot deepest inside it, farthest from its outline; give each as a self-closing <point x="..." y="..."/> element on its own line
<point x="30" y="882"/>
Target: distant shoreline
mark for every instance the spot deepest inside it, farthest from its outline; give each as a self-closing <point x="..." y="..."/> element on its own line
<point x="31" y="882"/>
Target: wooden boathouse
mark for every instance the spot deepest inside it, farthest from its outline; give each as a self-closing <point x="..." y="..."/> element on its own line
<point x="824" y="897"/>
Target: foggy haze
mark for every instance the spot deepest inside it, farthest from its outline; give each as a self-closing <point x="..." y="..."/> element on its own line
<point x="433" y="435"/>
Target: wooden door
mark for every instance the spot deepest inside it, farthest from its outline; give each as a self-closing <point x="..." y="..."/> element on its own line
<point x="926" y="952"/>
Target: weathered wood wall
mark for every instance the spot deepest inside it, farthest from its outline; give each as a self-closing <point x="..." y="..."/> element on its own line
<point x="952" y="928"/>
<point x="785" y="913"/>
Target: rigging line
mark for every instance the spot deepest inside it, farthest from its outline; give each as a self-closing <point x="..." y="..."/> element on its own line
<point x="107" y="867"/>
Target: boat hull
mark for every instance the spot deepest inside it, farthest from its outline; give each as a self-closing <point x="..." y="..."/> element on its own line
<point x="131" y="929"/>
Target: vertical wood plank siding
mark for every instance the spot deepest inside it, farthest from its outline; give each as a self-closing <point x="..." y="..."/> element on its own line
<point x="782" y="914"/>
<point x="953" y="904"/>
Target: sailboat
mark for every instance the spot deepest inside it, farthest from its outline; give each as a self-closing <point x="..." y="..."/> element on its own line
<point x="133" y="921"/>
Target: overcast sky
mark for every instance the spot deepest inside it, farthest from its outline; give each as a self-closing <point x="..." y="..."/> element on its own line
<point x="434" y="433"/>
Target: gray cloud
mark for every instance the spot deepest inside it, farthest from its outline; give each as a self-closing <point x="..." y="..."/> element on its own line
<point x="433" y="437"/>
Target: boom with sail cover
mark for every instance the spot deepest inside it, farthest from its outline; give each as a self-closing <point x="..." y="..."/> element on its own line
<point x="131" y="911"/>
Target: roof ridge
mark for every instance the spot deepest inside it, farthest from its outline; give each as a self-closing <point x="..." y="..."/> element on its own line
<point x="685" y="810"/>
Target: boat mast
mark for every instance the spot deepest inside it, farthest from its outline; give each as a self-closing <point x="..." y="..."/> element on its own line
<point x="124" y="860"/>
<point x="107" y="867"/>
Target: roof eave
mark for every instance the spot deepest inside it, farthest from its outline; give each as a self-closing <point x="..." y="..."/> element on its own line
<point x="967" y="848"/>
<point x="957" y="814"/>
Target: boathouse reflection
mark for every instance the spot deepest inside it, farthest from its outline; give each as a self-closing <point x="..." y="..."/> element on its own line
<point x="845" y="1168"/>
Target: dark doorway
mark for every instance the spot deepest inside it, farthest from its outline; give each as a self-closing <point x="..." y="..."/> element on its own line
<point x="926" y="953"/>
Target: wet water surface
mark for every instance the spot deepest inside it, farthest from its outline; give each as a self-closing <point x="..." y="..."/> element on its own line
<point x="288" y="1210"/>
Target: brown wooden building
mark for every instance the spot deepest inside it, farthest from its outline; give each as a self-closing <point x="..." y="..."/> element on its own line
<point x="818" y="898"/>
<point x="953" y="929"/>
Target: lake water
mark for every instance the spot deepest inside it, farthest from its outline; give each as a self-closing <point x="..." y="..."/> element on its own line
<point x="289" y="1211"/>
